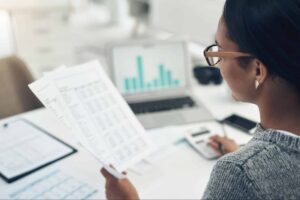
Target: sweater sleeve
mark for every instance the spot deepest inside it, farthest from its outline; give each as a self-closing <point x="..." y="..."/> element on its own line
<point x="229" y="181"/>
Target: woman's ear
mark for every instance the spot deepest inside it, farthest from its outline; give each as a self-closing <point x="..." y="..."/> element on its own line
<point x="260" y="72"/>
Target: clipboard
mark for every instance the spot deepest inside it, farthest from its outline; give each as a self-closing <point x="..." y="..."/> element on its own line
<point x="29" y="147"/>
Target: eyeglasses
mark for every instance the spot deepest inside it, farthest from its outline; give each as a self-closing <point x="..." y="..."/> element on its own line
<point x="213" y="56"/>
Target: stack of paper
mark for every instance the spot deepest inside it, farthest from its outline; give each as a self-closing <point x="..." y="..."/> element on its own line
<point x="85" y="99"/>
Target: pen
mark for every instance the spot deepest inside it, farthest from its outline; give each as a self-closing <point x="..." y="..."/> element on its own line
<point x="221" y="148"/>
<point x="224" y="131"/>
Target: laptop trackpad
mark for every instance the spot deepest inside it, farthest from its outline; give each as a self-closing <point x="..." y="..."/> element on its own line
<point x="166" y="118"/>
<point x="161" y="119"/>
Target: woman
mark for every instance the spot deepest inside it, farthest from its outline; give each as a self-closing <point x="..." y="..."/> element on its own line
<point x="257" y="50"/>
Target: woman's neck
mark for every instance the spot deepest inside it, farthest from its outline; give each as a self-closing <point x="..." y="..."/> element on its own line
<point x="280" y="110"/>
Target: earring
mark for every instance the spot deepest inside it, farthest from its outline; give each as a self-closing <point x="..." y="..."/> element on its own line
<point x="256" y="84"/>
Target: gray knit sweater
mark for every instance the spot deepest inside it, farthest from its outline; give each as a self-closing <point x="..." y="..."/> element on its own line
<point x="268" y="167"/>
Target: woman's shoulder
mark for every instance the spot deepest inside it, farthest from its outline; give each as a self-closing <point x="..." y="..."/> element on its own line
<point x="249" y="151"/>
<point x="262" y="166"/>
<point x="229" y="179"/>
<point x="273" y="154"/>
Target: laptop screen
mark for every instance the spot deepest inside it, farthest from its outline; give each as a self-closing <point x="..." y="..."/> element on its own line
<point x="149" y="67"/>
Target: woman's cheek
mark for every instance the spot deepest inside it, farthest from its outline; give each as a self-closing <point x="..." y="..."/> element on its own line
<point x="232" y="82"/>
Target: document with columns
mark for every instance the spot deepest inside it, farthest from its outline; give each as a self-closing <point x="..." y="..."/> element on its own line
<point x="87" y="101"/>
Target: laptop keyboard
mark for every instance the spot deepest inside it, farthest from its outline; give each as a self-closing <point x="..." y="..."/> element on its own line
<point x="162" y="105"/>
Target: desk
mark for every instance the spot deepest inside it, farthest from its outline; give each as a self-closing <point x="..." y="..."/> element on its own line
<point x="181" y="174"/>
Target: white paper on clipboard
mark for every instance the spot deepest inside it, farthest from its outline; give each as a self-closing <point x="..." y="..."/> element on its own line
<point x="24" y="147"/>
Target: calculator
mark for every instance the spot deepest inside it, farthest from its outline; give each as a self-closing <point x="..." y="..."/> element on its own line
<point x="199" y="141"/>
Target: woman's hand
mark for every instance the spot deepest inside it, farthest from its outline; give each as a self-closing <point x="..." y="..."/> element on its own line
<point x="118" y="188"/>
<point x="223" y="144"/>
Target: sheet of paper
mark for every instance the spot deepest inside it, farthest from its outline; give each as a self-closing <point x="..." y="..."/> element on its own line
<point x="49" y="97"/>
<point x="104" y="123"/>
<point x="54" y="184"/>
<point x="24" y="147"/>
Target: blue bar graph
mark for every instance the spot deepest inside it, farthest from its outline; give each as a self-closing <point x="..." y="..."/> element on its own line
<point x="140" y="71"/>
<point x="169" y="78"/>
<point x="163" y="80"/>
<point x="134" y="84"/>
<point x="162" y="75"/>
<point x="127" y="84"/>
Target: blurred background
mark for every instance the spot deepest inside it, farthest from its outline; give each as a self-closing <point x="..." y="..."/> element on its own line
<point x="46" y="34"/>
<point x="142" y="44"/>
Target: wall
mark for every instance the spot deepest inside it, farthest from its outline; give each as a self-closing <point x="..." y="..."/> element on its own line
<point x="195" y="19"/>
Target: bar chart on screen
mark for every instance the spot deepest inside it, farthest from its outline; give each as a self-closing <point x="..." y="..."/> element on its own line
<point x="149" y="67"/>
<point x="164" y="79"/>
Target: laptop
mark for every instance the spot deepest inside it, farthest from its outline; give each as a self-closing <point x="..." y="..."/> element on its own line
<point x="154" y="77"/>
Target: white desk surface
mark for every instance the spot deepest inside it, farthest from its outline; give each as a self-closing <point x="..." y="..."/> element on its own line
<point x="179" y="172"/>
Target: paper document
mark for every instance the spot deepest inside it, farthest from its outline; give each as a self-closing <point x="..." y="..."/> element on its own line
<point x="24" y="148"/>
<point x="100" y="118"/>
